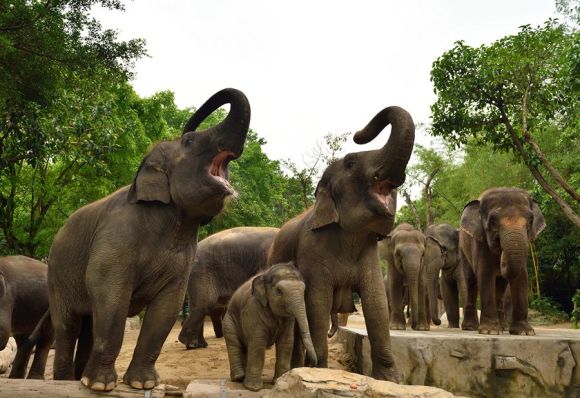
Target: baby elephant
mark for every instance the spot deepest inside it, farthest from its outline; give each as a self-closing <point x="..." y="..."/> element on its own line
<point x="260" y="313"/>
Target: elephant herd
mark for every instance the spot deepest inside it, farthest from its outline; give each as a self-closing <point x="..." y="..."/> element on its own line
<point x="135" y="251"/>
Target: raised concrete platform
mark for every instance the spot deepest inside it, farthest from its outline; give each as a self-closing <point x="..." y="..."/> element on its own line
<point x="474" y="365"/>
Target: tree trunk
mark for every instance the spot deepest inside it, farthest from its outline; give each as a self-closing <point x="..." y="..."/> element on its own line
<point x="413" y="209"/>
<point x="566" y="208"/>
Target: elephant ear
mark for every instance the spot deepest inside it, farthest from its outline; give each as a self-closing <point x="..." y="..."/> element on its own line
<point x="2" y="285"/>
<point x="325" y="212"/>
<point x="442" y="247"/>
<point x="151" y="182"/>
<point x="259" y="290"/>
<point x="539" y="222"/>
<point x="471" y="220"/>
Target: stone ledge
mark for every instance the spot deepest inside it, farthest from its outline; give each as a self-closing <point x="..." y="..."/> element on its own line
<point x="467" y="363"/>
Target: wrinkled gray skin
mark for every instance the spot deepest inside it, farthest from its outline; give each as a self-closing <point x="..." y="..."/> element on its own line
<point x="494" y="239"/>
<point x="442" y="255"/>
<point x="404" y="249"/>
<point x="262" y="313"/>
<point x="223" y="262"/>
<point x="133" y="250"/>
<point x="334" y="243"/>
<point x="23" y="304"/>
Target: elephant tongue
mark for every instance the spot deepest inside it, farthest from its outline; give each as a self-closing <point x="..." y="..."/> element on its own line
<point x="218" y="168"/>
<point x="382" y="192"/>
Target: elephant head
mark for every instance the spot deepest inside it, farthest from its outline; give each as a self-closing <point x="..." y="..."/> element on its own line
<point x="192" y="171"/>
<point x="405" y="251"/>
<point x="357" y="192"/>
<point x="505" y="220"/>
<point x="281" y="288"/>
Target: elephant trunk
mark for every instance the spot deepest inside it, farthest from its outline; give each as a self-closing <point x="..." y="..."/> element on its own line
<point x="411" y="264"/>
<point x="232" y="131"/>
<point x="298" y="310"/>
<point x="433" y="293"/>
<point x="392" y="158"/>
<point x="514" y="255"/>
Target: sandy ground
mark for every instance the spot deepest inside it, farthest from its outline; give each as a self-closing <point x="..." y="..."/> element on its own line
<point x="178" y="366"/>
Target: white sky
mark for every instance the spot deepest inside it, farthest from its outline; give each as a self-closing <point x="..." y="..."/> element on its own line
<point x="310" y="67"/>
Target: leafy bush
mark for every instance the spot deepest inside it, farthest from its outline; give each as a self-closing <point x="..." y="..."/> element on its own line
<point x="576" y="311"/>
<point x="549" y="308"/>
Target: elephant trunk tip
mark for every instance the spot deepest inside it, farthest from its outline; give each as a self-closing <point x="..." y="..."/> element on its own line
<point x="436" y="321"/>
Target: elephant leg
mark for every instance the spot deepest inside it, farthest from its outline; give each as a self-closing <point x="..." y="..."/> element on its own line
<point x="41" y="353"/>
<point x="160" y="317"/>
<point x="66" y="331"/>
<point x="396" y="299"/>
<point x="216" y="320"/>
<point x="451" y="301"/>
<point x="519" y="296"/>
<point x="236" y="350"/>
<point x="374" y="303"/>
<point x="257" y="344"/>
<point x="284" y="346"/>
<point x="486" y="278"/>
<point x="23" y="352"/>
<point x="191" y="334"/>
<point x="500" y="288"/>
<point x="109" y="317"/>
<point x="84" y="346"/>
<point x="333" y="324"/>
<point x="318" y="300"/>
<point x="470" y="321"/>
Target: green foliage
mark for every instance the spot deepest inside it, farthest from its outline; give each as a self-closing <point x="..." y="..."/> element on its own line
<point x="575" y="318"/>
<point x="549" y="308"/>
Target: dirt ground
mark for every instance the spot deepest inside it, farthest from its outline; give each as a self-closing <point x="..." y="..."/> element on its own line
<point x="178" y="366"/>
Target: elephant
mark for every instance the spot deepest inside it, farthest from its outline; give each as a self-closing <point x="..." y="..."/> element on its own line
<point x="223" y="262"/>
<point x="494" y="239"/>
<point x="334" y="242"/>
<point x="262" y="312"/>
<point x="442" y="256"/>
<point x="133" y="250"/>
<point x="403" y="249"/>
<point x="24" y="312"/>
<point x="405" y="299"/>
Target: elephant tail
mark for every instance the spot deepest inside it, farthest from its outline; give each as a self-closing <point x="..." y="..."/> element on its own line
<point x="40" y="327"/>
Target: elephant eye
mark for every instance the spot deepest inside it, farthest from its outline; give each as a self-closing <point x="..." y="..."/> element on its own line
<point x="349" y="164"/>
<point x="278" y="291"/>
<point x="189" y="142"/>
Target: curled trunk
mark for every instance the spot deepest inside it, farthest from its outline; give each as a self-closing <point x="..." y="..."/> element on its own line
<point x="392" y="158"/>
<point x="233" y="129"/>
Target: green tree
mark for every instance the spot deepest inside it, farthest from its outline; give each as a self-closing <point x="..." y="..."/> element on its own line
<point x="507" y="93"/>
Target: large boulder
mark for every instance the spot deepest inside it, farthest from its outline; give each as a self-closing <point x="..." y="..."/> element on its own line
<point x="315" y="382"/>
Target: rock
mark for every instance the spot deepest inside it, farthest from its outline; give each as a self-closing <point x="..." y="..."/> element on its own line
<point x="315" y="382"/>
<point x="218" y="389"/>
<point x="7" y="355"/>
<point x="478" y="365"/>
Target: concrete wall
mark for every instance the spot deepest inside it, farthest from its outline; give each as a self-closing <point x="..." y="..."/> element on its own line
<point x="474" y="365"/>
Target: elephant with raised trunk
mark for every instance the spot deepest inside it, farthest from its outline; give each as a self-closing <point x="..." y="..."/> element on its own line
<point x="223" y="262"/>
<point x="494" y="239"/>
<point x="24" y="312"/>
<point x="262" y="312"/>
<point x="442" y="257"/>
<point x="334" y="243"/>
<point x="133" y="250"/>
<point x="404" y="249"/>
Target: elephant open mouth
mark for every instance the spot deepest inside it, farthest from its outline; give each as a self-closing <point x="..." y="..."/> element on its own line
<point x="381" y="191"/>
<point x="219" y="169"/>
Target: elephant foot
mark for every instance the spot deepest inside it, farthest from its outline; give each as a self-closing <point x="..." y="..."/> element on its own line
<point x="421" y="327"/>
<point x="237" y="375"/>
<point x="522" y="328"/>
<point x="103" y="378"/>
<point x="386" y="373"/>
<point x="398" y="326"/>
<point x="455" y="325"/>
<point x="489" y="328"/>
<point x="253" y="384"/>
<point x="141" y="377"/>
<point x="195" y="345"/>
<point x="466" y="325"/>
